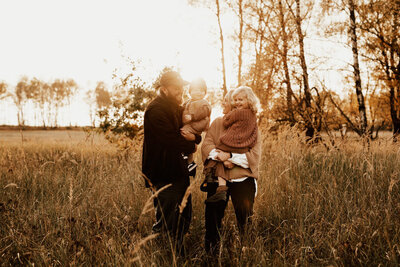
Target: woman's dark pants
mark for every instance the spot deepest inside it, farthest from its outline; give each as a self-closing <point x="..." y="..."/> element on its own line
<point x="242" y="195"/>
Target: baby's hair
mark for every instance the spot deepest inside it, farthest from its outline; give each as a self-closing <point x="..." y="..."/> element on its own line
<point x="253" y="100"/>
<point x="199" y="82"/>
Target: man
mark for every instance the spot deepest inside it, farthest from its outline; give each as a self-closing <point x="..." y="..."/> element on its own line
<point x="163" y="161"/>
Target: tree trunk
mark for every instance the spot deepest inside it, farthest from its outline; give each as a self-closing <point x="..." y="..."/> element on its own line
<point x="43" y="117"/>
<point x="392" y="81"/>
<point x="21" y="117"/>
<point x="221" y="38"/>
<point x="258" y="46"/>
<point x="309" y="125"/>
<point x="56" y="116"/>
<point x="356" y="66"/>
<point x="289" y="92"/>
<point x="395" y="101"/>
<point x="240" y="42"/>
<point x="394" y="114"/>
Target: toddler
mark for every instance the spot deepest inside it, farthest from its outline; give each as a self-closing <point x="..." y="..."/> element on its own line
<point x="196" y="113"/>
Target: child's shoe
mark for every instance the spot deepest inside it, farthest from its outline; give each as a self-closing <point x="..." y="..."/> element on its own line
<point x="220" y="195"/>
<point x="208" y="179"/>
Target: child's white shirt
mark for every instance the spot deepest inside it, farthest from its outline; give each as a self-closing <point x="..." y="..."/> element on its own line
<point x="239" y="159"/>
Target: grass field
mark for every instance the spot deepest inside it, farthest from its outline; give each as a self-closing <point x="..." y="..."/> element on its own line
<point x="67" y="198"/>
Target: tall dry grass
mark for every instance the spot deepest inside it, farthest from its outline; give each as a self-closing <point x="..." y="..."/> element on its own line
<point x="80" y="202"/>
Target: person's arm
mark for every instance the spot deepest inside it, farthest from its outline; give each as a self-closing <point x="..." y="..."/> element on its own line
<point x="249" y="159"/>
<point x="213" y="154"/>
<point x="254" y="155"/>
<point x="186" y="117"/>
<point x="196" y="138"/>
<point x="201" y="113"/>
<point x="209" y="142"/>
<point x="158" y="124"/>
<point x="239" y="160"/>
<point x="201" y="125"/>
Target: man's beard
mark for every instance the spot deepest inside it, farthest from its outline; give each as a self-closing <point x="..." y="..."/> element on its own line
<point x="175" y="99"/>
<point x="179" y="101"/>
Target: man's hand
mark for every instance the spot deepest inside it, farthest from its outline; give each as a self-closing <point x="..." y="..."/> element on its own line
<point x="223" y="156"/>
<point x="188" y="135"/>
<point x="187" y="118"/>
<point x="228" y="164"/>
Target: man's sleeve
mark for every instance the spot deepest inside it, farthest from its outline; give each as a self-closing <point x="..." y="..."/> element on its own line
<point x="161" y="128"/>
<point x="197" y="139"/>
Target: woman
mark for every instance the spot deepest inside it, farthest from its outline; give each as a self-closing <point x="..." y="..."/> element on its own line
<point x="240" y="168"/>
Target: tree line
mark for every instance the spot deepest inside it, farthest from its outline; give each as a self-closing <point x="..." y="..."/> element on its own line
<point x="279" y="71"/>
<point x="48" y="98"/>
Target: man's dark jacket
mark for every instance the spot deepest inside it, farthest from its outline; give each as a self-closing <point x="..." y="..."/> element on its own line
<point x="163" y="145"/>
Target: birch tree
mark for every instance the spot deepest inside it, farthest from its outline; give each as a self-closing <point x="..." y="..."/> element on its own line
<point x="350" y="8"/>
<point x="20" y="98"/>
<point x="379" y="24"/>
<point x="3" y="89"/>
<point x="221" y="38"/>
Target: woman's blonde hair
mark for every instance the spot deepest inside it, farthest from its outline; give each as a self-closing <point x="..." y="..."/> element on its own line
<point x="254" y="102"/>
<point x="229" y="98"/>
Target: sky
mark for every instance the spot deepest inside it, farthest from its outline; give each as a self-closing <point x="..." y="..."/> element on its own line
<point x="88" y="40"/>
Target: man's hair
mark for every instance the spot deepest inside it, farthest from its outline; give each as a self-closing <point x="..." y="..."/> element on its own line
<point x="254" y="102"/>
<point x="169" y="77"/>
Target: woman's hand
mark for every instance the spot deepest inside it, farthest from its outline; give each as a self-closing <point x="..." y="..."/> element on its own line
<point x="223" y="156"/>
<point x="228" y="164"/>
<point x="188" y="135"/>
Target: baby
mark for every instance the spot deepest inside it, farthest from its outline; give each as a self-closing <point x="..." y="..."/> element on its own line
<point x="196" y="113"/>
<point x="239" y="136"/>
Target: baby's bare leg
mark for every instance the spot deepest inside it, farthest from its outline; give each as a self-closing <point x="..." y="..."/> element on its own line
<point x="221" y="181"/>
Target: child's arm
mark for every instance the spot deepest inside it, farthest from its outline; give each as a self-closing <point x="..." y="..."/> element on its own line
<point x="209" y="142"/>
<point x="248" y="160"/>
<point x="228" y="164"/>
<point x="201" y="112"/>
<point x="239" y="160"/>
<point x="201" y="125"/>
<point x="189" y="136"/>
<point x="186" y="118"/>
